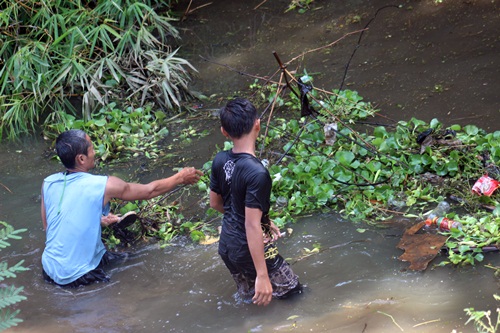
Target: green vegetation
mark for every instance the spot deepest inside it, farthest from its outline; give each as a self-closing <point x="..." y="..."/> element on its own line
<point x="117" y="134"/>
<point x="483" y="319"/>
<point x="9" y="295"/>
<point x="161" y="219"/>
<point x="367" y="175"/>
<point x="300" y="5"/>
<point x="375" y="175"/>
<point x="59" y="54"/>
<point x="319" y="177"/>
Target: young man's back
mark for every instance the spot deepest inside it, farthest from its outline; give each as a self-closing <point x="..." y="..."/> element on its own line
<point x="241" y="188"/>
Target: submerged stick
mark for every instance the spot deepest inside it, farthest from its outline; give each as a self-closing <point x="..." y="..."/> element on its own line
<point x="483" y="249"/>
<point x="6" y="187"/>
<point x="325" y="46"/>
<point x="189" y="10"/>
<point x="260" y="4"/>
<point x="394" y="321"/>
<point x="240" y="72"/>
<point x="427" y="322"/>
<point x="358" y="44"/>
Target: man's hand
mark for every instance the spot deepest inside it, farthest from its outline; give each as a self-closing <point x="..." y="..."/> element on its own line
<point x="109" y="219"/>
<point x="274" y="233"/>
<point x="190" y="175"/>
<point x="263" y="291"/>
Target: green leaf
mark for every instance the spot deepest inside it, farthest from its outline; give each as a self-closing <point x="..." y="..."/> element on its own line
<point x="344" y="157"/>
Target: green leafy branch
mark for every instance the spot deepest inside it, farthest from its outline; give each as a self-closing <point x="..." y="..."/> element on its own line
<point x="59" y="54"/>
<point x="374" y="175"/>
<point x="8" y="232"/>
<point x="9" y="295"/>
<point x="483" y="319"/>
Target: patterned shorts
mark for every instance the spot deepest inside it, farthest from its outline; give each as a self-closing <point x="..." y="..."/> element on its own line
<point x="284" y="281"/>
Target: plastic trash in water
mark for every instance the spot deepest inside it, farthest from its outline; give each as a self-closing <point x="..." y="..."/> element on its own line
<point x="485" y="186"/>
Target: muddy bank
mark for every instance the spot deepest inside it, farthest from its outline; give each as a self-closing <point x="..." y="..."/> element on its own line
<point x="417" y="59"/>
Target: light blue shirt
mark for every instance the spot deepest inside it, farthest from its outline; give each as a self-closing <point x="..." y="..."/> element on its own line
<point x="73" y="207"/>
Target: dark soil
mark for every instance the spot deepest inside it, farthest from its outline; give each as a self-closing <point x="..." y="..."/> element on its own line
<point x="417" y="59"/>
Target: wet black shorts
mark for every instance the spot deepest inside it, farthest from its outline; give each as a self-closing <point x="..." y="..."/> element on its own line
<point x="96" y="275"/>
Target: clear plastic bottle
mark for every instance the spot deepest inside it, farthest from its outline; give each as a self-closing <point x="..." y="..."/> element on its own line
<point x="444" y="223"/>
<point x="440" y="211"/>
<point x="437" y="218"/>
<point x="281" y="201"/>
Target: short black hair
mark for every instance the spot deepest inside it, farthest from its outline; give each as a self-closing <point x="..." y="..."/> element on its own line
<point x="69" y="144"/>
<point x="238" y="117"/>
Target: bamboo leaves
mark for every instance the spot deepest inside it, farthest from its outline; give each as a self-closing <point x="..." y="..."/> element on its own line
<point x="62" y="52"/>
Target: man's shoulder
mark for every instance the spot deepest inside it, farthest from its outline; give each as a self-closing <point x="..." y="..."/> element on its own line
<point x="250" y="161"/>
<point x="223" y="154"/>
<point x="61" y="175"/>
<point x="252" y="168"/>
<point x="221" y="158"/>
<point x="54" y="177"/>
<point x="88" y="177"/>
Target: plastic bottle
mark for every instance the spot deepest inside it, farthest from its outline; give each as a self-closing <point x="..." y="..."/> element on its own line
<point x="444" y="223"/>
<point x="442" y="208"/>
<point x="437" y="218"/>
<point x="281" y="201"/>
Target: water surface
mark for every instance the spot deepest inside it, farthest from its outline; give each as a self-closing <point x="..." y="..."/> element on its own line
<point x="422" y="60"/>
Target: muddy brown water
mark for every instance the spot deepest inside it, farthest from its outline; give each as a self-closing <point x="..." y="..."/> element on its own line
<point x="418" y="60"/>
<point x="355" y="287"/>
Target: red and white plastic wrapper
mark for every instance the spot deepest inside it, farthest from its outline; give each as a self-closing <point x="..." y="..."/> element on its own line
<point x="485" y="186"/>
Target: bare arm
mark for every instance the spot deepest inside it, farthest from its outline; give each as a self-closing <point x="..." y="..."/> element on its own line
<point x="216" y="202"/>
<point x="117" y="188"/>
<point x="263" y="288"/>
<point x="44" y="217"/>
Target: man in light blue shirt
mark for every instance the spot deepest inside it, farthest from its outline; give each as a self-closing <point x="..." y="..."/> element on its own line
<point x="73" y="203"/>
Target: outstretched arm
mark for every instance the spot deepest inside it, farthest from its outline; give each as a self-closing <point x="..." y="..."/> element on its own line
<point x="263" y="287"/>
<point x="117" y="188"/>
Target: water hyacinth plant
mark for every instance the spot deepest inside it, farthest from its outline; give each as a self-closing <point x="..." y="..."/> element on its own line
<point x="371" y="172"/>
<point x="117" y="134"/>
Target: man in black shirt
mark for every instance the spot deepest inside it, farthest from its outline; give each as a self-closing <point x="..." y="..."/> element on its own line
<point x="240" y="188"/>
